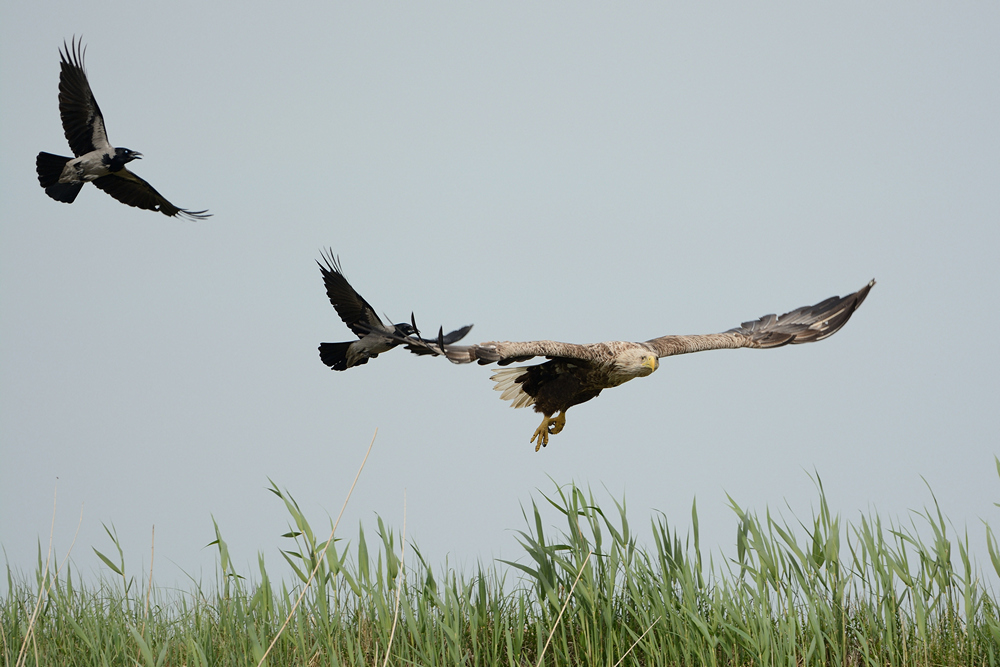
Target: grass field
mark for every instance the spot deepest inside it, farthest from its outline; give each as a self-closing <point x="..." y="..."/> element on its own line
<point x="822" y="591"/>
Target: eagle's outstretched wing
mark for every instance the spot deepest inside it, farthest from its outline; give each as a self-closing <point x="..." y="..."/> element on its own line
<point x="129" y="189"/>
<point x="500" y="352"/>
<point x="802" y="325"/>
<point x="82" y="120"/>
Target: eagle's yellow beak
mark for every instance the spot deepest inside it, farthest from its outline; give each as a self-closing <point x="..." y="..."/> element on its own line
<point x="651" y="362"/>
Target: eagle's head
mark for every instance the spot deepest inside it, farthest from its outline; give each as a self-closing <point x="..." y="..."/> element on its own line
<point x="647" y="364"/>
<point x="635" y="362"/>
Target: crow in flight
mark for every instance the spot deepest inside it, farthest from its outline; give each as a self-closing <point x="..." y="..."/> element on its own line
<point x="375" y="337"/>
<point x="96" y="161"/>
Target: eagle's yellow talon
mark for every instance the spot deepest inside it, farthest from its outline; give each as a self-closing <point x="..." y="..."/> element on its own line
<point x="541" y="434"/>
<point x="556" y="424"/>
<point x="549" y="426"/>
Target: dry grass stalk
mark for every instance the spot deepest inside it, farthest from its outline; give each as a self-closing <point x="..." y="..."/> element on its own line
<point x="555" y="625"/>
<point x="399" y="585"/>
<point x="322" y="555"/>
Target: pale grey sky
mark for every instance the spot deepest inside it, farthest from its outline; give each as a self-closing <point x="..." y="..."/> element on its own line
<point x="578" y="172"/>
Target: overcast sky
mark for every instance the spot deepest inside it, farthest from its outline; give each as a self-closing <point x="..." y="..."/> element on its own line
<point x="577" y="172"/>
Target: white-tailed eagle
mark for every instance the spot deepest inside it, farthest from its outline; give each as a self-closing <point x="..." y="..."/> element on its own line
<point x="575" y="374"/>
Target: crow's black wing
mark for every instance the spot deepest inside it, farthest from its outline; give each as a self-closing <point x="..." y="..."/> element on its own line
<point x="420" y="346"/>
<point x="129" y="189"/>
<point x="356" y="313"/>
<point x="82" y="121"/>
<point x="456" y="335"/>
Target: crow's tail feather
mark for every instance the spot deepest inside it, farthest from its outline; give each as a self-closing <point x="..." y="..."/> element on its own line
<point x="334" y="355"/>
<point x="49" y="168"/>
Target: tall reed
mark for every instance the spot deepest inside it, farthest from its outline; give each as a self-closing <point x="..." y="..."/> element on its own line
<point x="822" y="591"/>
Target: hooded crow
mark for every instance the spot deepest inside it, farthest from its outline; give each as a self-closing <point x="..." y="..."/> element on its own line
<point x="375" y="337"/>
<point x="96" y="161"/>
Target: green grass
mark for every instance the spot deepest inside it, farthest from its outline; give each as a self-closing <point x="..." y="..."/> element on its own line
<point x="815" y="592"/>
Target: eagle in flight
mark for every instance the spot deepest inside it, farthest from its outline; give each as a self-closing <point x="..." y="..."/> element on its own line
<point x="374" y="336"/>
<point x="575" y="374"/>
<point x="96" y="161"/>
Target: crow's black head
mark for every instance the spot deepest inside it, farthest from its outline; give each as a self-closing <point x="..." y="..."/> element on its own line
<point x="121" y="157"/>
<point x="403" y="329"/>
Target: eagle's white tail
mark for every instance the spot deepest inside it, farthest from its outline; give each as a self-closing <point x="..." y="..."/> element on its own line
<point x="506" y="380"/>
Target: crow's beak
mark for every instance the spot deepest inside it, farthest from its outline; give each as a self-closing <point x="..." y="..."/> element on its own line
<point x="136" y="156"/>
